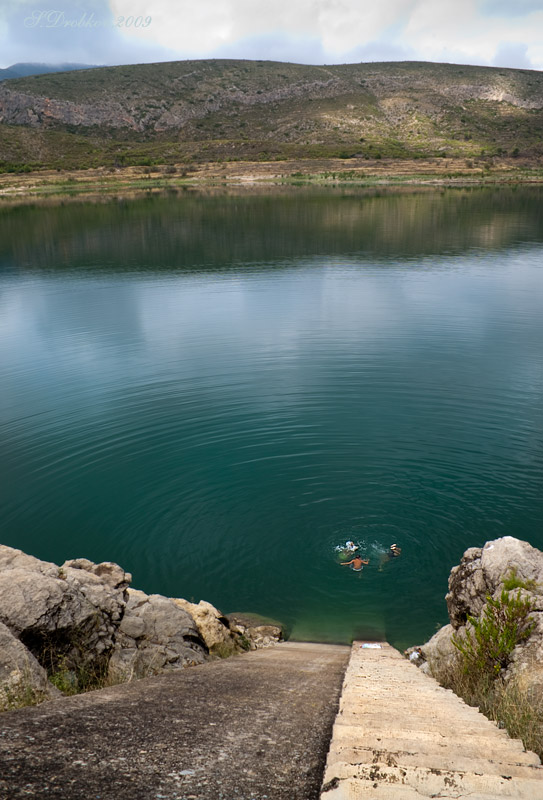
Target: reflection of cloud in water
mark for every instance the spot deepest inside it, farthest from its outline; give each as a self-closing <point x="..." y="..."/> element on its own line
<point x="61" y="340"/>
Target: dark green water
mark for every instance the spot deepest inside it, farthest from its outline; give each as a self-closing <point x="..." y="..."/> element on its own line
<point x="217" y="391"/>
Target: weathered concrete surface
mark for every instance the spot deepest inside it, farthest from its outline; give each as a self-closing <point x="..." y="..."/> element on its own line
<point x="400" y="736"/>
<point x="252" y="727"/>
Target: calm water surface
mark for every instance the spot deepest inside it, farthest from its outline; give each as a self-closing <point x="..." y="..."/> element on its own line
<point x="217" y="391"/>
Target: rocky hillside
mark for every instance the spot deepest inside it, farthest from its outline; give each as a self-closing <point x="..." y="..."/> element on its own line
<point x="257" y="109"/>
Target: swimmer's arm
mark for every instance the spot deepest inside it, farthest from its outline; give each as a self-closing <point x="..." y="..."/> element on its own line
<point x="365" y="561"/>
<point x="346" y="563"/>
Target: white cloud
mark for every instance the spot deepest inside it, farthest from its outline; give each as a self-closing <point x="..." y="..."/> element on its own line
<point x="277" y="46"/>
<point x="329" y="29"/>
<point x="187" y="28"/>
<point x="317" y="31"/>
<point x="456" y="31"/>
<point x="509" y="53"/>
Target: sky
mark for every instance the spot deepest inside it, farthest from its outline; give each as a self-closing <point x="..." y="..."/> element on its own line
<point x="505" y="33"/>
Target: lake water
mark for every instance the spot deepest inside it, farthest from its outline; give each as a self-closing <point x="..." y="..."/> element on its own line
<point x="216" y="391"/>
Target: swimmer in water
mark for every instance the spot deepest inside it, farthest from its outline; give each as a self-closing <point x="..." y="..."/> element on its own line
<point x="357" y="563"/>
<point x="393" y="552"/>
<point x="351" y="546"/>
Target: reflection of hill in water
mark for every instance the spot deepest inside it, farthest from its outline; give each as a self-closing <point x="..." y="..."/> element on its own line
<point x="197" y="230"/>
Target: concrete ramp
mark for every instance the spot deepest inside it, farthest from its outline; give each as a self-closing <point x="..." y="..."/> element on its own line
<point x="252" y="727"/>
<point x="398" y="735"/>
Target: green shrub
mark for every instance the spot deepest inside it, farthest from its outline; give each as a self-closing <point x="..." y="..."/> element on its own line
<point x="484" y="650"/>
<point x="487" y="645"/>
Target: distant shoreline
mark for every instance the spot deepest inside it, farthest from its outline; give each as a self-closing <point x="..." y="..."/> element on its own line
<point x="432" y="172"/>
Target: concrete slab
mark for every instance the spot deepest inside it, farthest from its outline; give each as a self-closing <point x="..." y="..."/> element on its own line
<point x="252" y="727"/>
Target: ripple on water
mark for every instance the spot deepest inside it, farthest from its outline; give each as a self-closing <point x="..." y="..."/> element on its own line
<point x="227" y="443"/>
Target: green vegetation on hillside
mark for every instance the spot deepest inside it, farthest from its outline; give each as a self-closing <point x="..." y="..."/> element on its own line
<point x="193" y="111"/>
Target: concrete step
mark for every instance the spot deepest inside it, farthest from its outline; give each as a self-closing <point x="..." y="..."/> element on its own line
<point x="355" y="790"/>
<point x="453" y="759"/>
<point x="398" y="735"/>
<point x="432" y="782"/>
<point x="431" y="721"/>
<point x="426" y="743"/>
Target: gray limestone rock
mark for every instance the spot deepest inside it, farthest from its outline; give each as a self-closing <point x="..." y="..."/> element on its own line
<point x="256" y="632"/>
<point x="11" y="558"/>
<point x="467" y="588"/>
<point x="63" y="615"/>
<point x="481" y="572"/>
<point x="155" y="634"/>
<point x="439" y="650"/>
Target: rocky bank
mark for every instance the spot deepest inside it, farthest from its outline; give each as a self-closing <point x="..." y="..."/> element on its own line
<point x="481" y="574"/>
<point x="81" y="624"/>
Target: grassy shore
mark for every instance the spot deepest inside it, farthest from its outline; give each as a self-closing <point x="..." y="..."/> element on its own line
<point x="321" y="172"/>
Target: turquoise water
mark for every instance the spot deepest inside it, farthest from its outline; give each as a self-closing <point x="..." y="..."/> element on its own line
<point x="217" y="391"/>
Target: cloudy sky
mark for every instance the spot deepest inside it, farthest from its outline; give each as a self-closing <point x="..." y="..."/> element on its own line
<point x="491" y="32"/>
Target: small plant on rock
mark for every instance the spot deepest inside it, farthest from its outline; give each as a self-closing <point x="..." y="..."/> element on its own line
<point x="513" y="581"/>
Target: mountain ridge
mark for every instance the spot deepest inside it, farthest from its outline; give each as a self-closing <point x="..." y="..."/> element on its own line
<point x="23" y="69"/>
<point x="225" y="108"/>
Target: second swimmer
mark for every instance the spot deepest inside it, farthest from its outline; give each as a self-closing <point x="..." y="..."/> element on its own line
<point x="357" y="563"/>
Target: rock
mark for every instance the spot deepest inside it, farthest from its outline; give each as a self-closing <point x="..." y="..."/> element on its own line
<point x="482" y="571"/>
<point x="481" y="574"/>
<point x="256" y="632"/>
<point x="82" y="619"/>
<point x="526" y="667"/>
<point x="263" y="636"/>
<point x="22" y="680"/>
<point x="467" y="588"/>
<point x="11" y="558"/>
<point x="213" y="627"/>
<point x="155" y="634"/>
<point x="439" y="650"/>
<point x="65" y="616"/>
<point x="111" y="574"/>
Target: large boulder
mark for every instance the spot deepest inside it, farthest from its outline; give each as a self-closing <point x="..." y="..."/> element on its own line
<point x="65" y="616"/>
<point x="154" y="634"/>
<point x="482" y="571"/>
